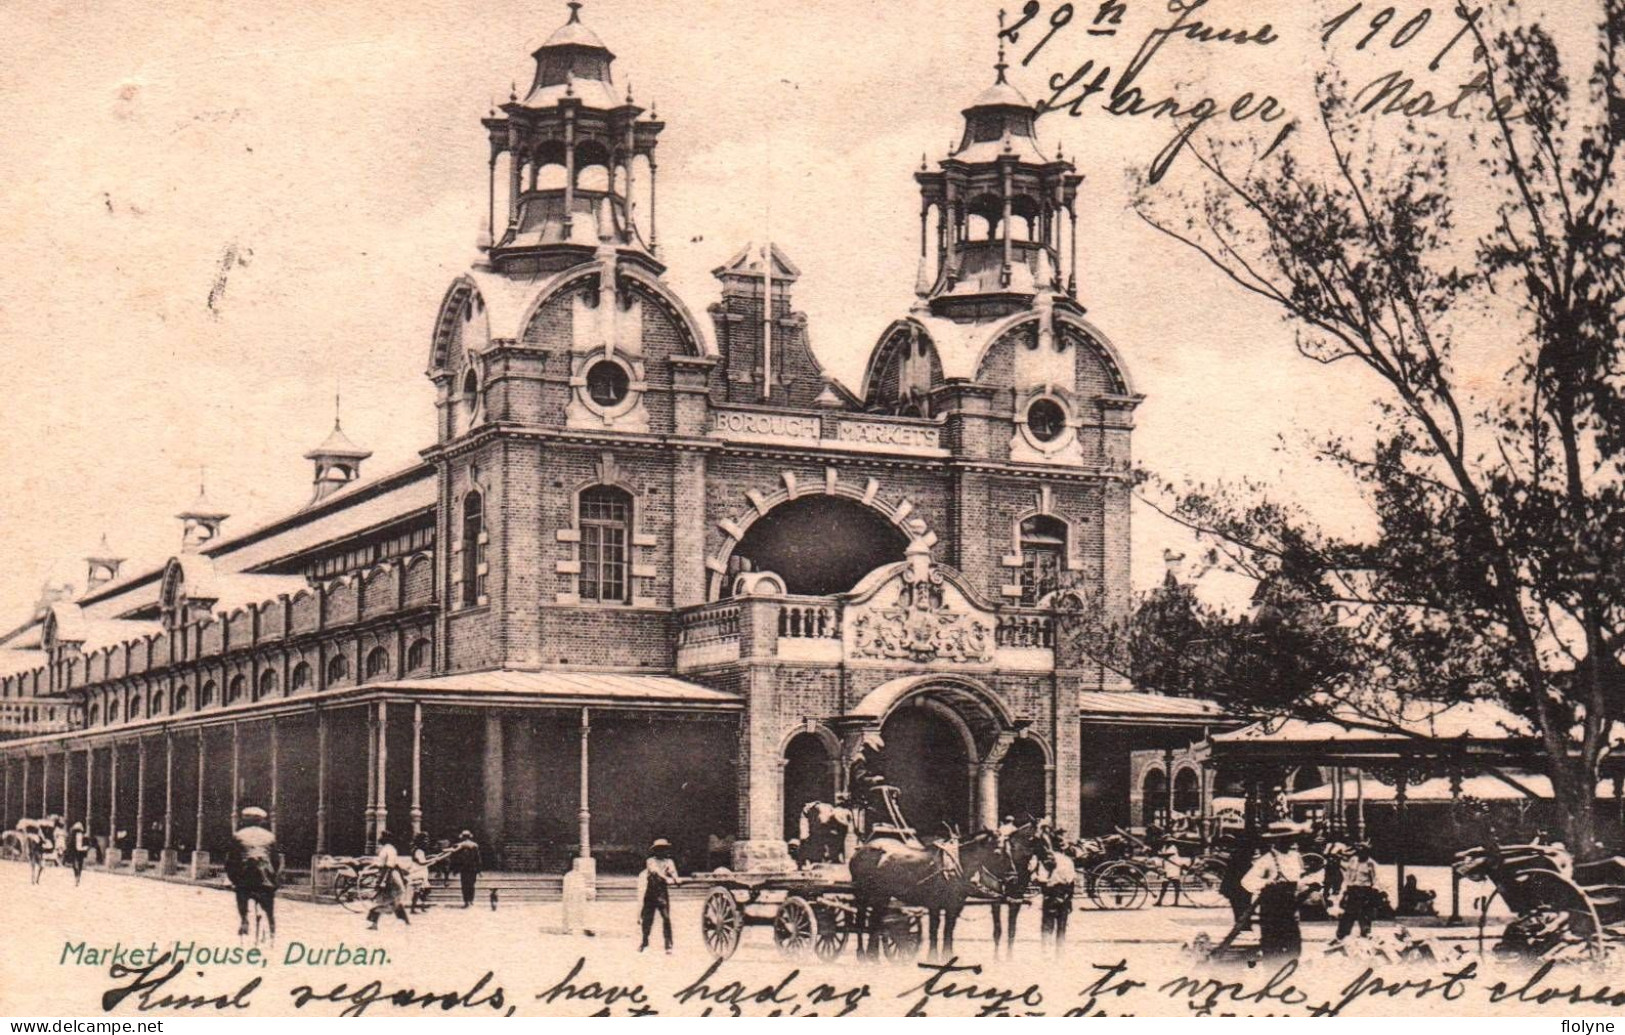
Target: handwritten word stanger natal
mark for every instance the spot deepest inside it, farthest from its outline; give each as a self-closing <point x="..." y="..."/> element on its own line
<point x="1365" y="29"/>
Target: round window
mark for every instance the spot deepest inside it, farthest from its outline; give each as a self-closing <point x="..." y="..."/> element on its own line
<point x="607" y="383"/>
<point x="1046" y="420"/>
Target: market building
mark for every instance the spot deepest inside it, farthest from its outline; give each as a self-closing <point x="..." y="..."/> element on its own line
<point x="656" y="572"/>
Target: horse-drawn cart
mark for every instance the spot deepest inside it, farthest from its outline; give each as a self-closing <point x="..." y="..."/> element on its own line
<point x="810" y="911"/>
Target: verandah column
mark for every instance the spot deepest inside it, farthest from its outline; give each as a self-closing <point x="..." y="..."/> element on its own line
<point x="200" y="855"/>
<point x="112" y="857"/>
<point x="584" y="813"/>
<point x="25" y="783"/>
<point x="275" y="769"/>
<point x="321" y="781"/>
<point x="369" y="811"/>
<point x="382" y="805"/>
<point x="90" y="783"/>
<point x="138" y="858"/>
<point x="166" y="858"/>
<point x="417" y="769"/>
<point x="67" y="778"/>
<point x="236" y="776"/>
<point x="492" y="781"/>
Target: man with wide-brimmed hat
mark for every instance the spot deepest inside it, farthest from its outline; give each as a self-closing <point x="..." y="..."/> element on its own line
<point x="659" y="874"/>
<point x="466" y="860"/>
<point x="254" y="867"/>
<point x="1273" y="883"/>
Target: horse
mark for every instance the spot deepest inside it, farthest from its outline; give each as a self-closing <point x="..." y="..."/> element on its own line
<point x="824" y="828"/>
<point x="937" y="878"/>
<point x="1007" y="879"/>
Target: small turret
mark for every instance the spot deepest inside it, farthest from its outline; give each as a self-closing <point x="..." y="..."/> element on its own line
<point x="338" y="463"/>
<point x="201" y="522"/>
<point x="102" y="567"/>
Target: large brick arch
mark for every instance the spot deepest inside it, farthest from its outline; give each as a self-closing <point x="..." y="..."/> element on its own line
<point x="900" y="514"/>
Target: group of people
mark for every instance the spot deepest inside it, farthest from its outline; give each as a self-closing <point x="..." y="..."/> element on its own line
<point x="403" y="880"/>
<point x="51" y="840"/>
<point x="1266" y="879"/>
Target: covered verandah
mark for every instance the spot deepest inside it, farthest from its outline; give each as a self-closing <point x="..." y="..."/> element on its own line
<point x="520" y="758"/>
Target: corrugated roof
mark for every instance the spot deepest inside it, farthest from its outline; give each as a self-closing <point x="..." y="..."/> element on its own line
<point x="1104" y="703"/>
<point x="418" y="493"/>
<point x="571" y="686"/>
<point x="15" y="661"/>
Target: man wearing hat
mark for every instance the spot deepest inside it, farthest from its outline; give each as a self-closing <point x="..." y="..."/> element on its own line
<point x="1273" y="884"/>
<point x="466" y="860"/>
<point x="254" y="867"/>
<point x="659" y="874"/>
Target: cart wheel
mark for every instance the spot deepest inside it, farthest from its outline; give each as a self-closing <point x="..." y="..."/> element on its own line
<point x="900" y="937"/>
<point x="1202" y="887"/>
<point x="795" y="929"/>
<point x="833" y="931"/>
<point x="345" y="894"/>
<point x="1120" y="885"/>
<point x="721" y="922"/>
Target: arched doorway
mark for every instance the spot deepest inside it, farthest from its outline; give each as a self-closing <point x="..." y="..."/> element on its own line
<point x="1021" y="782"/>
<point x="807" y="777"/>
<point x="1154" y="798"/>
<point x="1187" y="792"/>
<point x="819" y="545"/>
<point x="925" y="757"/>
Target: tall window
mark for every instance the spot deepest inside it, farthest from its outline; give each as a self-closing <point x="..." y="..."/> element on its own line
<point x="338" y="669"/>
<point x="180" y="699"/>
<point x="377" y="663"/>
<point x="205" y="696"/>
<point x="234" y="690"/>
<point x="606" y="517"/>
<point x="267" y="686"/>
<point x="1043" y="557"/>
<point x="300" y="680"/>
<point x="473" y="549"/>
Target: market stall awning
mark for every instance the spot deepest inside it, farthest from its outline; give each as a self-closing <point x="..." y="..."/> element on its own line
<point x="1482" y="787"/>
<point x="1136" y="707"/>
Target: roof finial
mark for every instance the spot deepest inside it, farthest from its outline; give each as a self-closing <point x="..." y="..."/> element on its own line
<point x="513" y="90"/>
<point x="336" y="386"/>
<point x="202" y="480"/>
<point x="629" y="91"/>
<point x="1001" y="66"/>
<point x="575" y="11"/>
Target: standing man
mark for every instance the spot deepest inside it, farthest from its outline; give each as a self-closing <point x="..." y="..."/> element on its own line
<point x="36" y="853"/>
<point x="1273" y="883"/>
<point x="659" y="874"/>
<point x="254" y="867"/>
<point x="466" y="860"/>
<point x="1059" y="880"/>
<point x="1361" y="898"/>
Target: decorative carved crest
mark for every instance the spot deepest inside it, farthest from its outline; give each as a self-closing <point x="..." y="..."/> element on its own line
<point x="920" y="627"/>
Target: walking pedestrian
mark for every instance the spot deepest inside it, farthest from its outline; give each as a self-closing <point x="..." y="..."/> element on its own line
<point x="1273" y="883"/>
<point x="466" y="860"/>
<point x="78" y="848"/>
<point x="418" y="873"/>
<point x="1361" y="899"/>
<point x="1238" y="862"/>
<point x="35" y="839"/>
<point x="1058" y="878"/>
<point x="254" y="867"/>
<point x="659" y="874"/>
<point x="391" y="882"/>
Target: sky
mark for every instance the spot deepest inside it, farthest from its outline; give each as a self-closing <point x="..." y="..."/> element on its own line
<point x="216" y="216"/>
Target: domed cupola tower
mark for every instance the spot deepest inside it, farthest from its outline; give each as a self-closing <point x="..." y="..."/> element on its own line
<point x="571" y="143"/>
<point x="1003" y="210"/>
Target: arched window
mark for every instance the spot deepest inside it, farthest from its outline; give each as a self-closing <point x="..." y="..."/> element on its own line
<point x="155" y="707"/>
<point x="1043" y="557"/>
<point x="267" y="687"/>
<point x="377" y="663"/>
<point x="235" y="688"/>
<point x="338" y="669"/>
<point x="300" y="680"/>
<point x="606" y="518"/>
<point x="112" y="710"/>
<point x="180" y="699"/>
<point x="471" y="396"/>
<point x="95" y="714"/>
<point x="205" y="696"/>
<point x="135" y="706"/>
<point x="474" y="539"/>
<point x="417" y="656"/>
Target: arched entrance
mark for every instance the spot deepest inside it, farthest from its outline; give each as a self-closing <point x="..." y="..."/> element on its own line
<point x="926" y="758"/>
<point x="1154" y="798"/>
<point x="1022" y="783"/>
<point x="1187" y="792"/>
<point x="819" y="545"/>
<point x="807" y="777"/>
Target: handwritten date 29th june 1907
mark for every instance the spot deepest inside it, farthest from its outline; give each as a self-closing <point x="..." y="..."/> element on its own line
<point x="1366" y="28"/>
